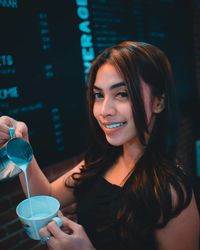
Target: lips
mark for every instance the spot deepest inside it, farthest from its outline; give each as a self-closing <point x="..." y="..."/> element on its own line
<point x="113" y="125"/>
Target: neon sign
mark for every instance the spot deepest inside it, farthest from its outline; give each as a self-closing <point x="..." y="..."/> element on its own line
<point x="87" y="48"/>
<point x="8" y="3"/>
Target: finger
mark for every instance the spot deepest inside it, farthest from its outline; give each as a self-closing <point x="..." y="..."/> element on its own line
<point x="21" y="130"/>
<point x="20" y="127"/>
<point x="69" y="227"/>
<point x="5" y="124"/>
<point x="65" y="228"/>
<point x="53" y="228"/>
<point x="4" y="134"/>
<point x="44" y="232"/>
<point x="68" y="223"/>
<point x="55" y="235"/>
<point x="8" y="121"/>
<point x="47" y="238"/>
<point x="60" y="214"/>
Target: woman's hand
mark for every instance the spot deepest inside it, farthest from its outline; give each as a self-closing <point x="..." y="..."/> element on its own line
<point x="21" y="129"/>
<point x="72" y="236"/>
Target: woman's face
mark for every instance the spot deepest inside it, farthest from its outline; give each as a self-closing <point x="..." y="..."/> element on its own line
<point x="112" y="106"/>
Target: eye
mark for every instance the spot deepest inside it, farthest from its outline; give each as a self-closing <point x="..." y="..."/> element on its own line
<point x="122" y="95"/>
<point x="98" y="95"/>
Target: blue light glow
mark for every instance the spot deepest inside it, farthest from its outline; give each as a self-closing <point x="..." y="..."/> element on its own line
<point x="49" y="71"/>
<point x="24" y="109"/>
<point x="86" y="42"/>
<point x="57" y="127"/>
<point x="8" y="3"/>
<point x="6" y="60"/>
<point x="9" y="93"/>
<point x="44" y="31"/>
<point x="7" y="66"/>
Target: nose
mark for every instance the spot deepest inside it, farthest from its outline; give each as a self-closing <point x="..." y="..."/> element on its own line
<point x="108" y="108"/>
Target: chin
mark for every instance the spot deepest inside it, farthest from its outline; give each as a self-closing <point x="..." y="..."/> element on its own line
<point x="115" y="143"/>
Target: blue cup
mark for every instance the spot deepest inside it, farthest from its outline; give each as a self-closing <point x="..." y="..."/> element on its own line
<point x="36" y="212"/>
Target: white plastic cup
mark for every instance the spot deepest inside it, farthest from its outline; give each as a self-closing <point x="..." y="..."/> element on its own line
<point x="36" y="212"/>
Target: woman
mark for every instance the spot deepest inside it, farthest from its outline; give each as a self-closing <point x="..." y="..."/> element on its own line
<point x="130" y="190"/>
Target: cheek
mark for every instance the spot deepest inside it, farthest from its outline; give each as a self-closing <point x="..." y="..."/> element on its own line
<point x="127" y="115"/>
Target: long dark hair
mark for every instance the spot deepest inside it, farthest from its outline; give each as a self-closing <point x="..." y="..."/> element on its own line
<point x="147" y="194"/>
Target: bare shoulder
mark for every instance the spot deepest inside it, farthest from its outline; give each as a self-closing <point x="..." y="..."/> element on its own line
<point x="181" y="232"/>
<point x="63" y="192"/>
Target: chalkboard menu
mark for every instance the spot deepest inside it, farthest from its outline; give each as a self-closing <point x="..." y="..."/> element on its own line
<point x="46" y="49"/>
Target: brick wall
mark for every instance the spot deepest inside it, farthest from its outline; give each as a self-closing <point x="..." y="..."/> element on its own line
<point x="12" y="236"/>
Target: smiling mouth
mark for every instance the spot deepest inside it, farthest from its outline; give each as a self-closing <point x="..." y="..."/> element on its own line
<point x="113" y="125"/>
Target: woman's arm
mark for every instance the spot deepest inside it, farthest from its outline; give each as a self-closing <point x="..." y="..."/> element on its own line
<point x="39" y="184"/>
<point x="181" y="232"/>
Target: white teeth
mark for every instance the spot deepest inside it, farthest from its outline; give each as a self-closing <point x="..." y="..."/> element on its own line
<point x="115" y="125"/>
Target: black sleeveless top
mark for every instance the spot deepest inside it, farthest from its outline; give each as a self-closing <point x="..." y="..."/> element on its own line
<point x="97" y="210"/>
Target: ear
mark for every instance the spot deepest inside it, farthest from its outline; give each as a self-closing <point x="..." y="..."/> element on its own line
<point x="159" y="104"/>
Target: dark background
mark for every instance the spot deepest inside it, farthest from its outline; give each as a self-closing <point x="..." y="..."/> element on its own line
<point x="41" y="58"/>
<point x="46" y="48"/>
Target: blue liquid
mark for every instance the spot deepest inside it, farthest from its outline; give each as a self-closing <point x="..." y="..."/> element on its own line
<point x="24" y="170"/>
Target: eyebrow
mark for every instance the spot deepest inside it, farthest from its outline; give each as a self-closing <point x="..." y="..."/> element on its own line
<point x="114" y="86"/>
